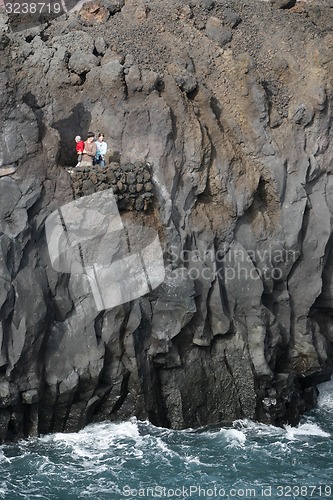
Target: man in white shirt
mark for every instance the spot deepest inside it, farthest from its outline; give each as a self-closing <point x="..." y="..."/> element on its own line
<point x="101" y="150"/>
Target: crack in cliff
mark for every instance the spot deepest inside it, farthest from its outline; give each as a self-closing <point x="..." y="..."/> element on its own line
<point x="148" y="374"/>
<point x="230" y="371"/>
<point x="124" y="391"/>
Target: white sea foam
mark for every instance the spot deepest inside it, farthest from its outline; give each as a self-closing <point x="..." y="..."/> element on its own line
<point x="192" y="460"/>
<point x="3" y="490"/>
<point x="94" y="441"/>
<point x="3" y="457"/>
<point x="306" y="429"/>
<point x="235" y="438"/>
<point x="325" y="399"/>
<point x="260" y="429"/>
<point x="164" y="447"/>
<point x="287" y="432"/>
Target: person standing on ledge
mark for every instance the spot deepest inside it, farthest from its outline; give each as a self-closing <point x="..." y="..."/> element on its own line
<point x="89" y="151"/>
<point x="79" y="149"/>
<point x="101" y="150"/>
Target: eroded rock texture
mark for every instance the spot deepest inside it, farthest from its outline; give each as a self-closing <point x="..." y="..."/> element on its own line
<point x="231" y="105"/>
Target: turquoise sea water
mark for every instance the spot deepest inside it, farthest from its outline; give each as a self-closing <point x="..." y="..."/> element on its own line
<point x="137" y="460"/>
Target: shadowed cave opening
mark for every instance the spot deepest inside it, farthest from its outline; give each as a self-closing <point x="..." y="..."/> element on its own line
<point x="77" y="123"/>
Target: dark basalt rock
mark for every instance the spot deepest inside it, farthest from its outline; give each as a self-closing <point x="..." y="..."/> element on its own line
<point x="221" y="142"/>
<point x="283" y="4"/>
<point x="216" y="30"/>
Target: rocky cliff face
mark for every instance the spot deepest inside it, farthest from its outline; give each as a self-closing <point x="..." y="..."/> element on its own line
<point x="231" y="106"/>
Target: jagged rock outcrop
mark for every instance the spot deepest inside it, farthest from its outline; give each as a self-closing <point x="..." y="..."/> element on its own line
<point x="231" y="105"/>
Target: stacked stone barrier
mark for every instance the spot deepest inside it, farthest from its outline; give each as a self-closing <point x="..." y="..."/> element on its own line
<point x="131" y="184"/>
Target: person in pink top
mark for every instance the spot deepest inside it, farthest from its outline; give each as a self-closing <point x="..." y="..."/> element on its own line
<point x="79" y="149"/>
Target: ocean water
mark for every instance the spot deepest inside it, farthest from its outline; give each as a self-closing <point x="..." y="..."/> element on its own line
<point x="137" y="460"/>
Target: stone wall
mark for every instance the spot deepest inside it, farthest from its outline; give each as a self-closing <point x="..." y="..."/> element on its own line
<point x="131" y="183"/>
